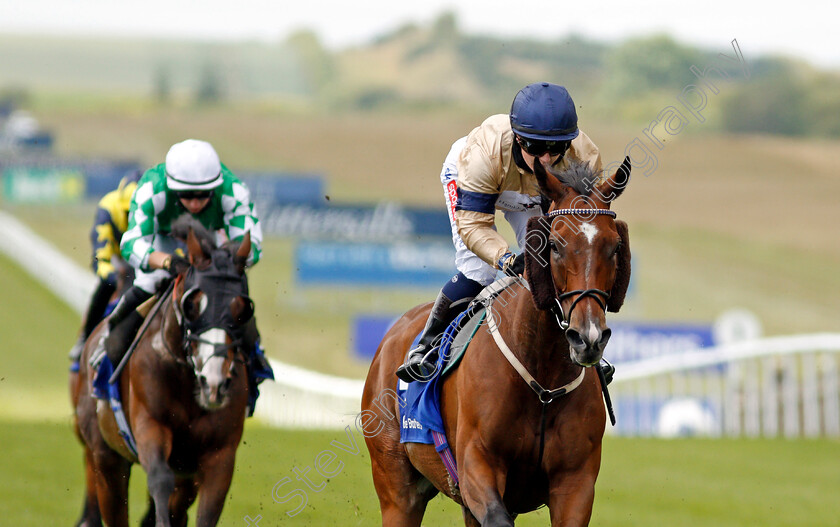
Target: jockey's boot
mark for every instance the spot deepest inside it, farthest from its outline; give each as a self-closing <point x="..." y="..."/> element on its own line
<point x="122" y="326"/>
<point x="420" y="362"/>
<point x="452" y="299"/>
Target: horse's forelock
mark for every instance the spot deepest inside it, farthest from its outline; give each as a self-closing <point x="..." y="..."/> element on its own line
<point x="181" y="228"/>
<point x="579" y="176"/>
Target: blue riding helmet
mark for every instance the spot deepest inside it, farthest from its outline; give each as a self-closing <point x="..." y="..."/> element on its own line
<point x="544" y="112"/>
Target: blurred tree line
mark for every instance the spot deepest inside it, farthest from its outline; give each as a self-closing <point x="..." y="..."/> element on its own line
<point x="439" y="66"/>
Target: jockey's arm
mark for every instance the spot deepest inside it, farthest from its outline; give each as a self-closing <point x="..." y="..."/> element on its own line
<point x="479" y="186"/>
<point x="477" y="231"/>
<point x="159" y="260"/>
<point x="240" y="217"/>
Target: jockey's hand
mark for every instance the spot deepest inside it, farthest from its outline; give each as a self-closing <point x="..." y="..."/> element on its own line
<point x="177" y="265"/>
<point x="513" y="264"/>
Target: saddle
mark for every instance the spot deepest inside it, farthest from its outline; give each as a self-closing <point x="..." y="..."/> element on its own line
<point x="462" y="330"/>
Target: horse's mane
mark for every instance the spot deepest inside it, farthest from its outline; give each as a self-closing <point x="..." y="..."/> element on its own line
<point x="181" y="228"/>
<point x="579" y="176"/>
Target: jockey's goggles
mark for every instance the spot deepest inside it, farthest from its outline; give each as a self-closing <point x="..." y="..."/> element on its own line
<point x="538" y="148"/>
<point x="194" y="194"/>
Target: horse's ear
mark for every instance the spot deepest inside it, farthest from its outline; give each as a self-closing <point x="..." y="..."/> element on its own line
<point x="622" y="271"/>
<point x="613" y="186"/>
<point x="537" y="263"/>
<point x="550" y="186"/>
<point x="241" y="256"/>
<point x="198" y="258"/>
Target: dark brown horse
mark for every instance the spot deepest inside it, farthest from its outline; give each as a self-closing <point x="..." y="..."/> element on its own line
<point x="577" y="266"/>
<point x="184" y="391"/>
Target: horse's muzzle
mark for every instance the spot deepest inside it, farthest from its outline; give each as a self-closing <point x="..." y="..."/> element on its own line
<point x="212" y="396"/>
<point x="587" y="347"/>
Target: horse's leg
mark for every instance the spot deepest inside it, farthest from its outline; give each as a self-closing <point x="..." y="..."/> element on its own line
<point x="154" y="445"/>
<point x="571" y="495"/>
<point x="214" y="477"/>
<point x="90" y="511"/>
<point x="186" y="490"/>
<point x="481" y="489"/>
<point x="112" y="473"/>
<point x="182" y="497"/>
<point x="398" y="485"/>
<point x="469" y="519"/>
<point x="149" y="518"/>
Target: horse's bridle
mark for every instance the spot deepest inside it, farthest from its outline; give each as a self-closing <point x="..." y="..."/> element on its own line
<point x="217" y="278"/>
<point x="563" y="318"/>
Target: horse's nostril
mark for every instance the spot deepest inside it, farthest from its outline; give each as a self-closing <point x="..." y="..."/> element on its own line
<point x="574" y="338"/>
<point x="605" y="337"/>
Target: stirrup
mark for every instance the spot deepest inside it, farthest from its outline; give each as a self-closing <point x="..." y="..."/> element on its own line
<point x="418" y="366"/>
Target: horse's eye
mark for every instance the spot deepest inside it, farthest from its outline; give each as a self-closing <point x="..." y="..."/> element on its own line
<point x="552" y="244"/>
<point x="615" y="251"/>
<point x="194" y="305"/>
<point x="242" y="309"/>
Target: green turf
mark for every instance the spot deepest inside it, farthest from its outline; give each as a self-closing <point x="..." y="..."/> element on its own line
<point x="36" y="330"/>
<point x="642" y="482"/>
<point x="646" y="482"/>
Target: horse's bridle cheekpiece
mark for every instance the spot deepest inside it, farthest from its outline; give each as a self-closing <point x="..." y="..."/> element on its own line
<point x="220" y="285"/>
<point x="563" y="318"/>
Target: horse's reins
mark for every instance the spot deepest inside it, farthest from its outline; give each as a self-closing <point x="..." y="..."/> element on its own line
<point x="115" y="376"/>
<point x="546" y="396"/>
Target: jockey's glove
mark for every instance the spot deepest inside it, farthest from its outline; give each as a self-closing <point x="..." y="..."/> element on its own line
<point x="512" y="264"/>
<point x="177" y="265"/>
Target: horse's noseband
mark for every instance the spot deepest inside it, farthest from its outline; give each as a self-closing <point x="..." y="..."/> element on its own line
<point x="563" y="320"/>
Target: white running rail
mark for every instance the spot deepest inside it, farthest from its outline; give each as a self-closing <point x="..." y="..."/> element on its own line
<point x="773" y="387"/>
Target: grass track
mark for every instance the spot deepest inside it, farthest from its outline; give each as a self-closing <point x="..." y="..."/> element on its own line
<point x="643" y="482"/>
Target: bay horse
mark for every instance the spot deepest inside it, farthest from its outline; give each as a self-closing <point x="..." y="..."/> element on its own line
<point x="184" y="391"/>
<point x="516" y="450"/>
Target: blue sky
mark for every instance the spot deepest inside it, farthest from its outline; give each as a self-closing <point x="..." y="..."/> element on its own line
<point x="806" y="28"/>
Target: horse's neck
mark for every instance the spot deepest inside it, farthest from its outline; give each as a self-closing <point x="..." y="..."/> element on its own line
<point x="534" y="336"/>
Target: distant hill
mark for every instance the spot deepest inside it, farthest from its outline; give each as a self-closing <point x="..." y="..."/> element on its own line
<point x="430" y="66"/>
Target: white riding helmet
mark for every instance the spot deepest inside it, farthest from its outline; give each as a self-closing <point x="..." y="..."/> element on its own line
<point x="193" y="165"/>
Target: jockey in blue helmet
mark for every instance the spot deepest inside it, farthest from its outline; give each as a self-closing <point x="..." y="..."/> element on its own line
<point x="492" y="169"/>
